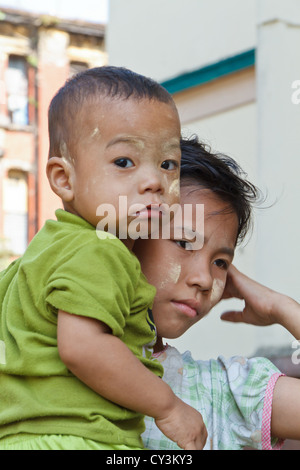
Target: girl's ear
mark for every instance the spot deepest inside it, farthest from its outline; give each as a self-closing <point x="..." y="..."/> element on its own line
<point x="59" y="173"/>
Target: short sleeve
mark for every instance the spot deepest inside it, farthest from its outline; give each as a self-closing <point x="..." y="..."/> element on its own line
<point x="239" y="403"/>
<point x="98" y="281"/>
<point x="233" y="395"/>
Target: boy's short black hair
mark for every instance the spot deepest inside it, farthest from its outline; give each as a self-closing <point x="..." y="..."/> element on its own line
<point x="83" y="89"/>
<point x="222" y="175"/>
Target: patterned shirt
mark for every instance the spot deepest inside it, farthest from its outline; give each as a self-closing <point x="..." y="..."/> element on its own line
<point x="234" y="397"/>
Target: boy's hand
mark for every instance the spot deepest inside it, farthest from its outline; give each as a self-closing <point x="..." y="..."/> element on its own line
<point x="184" y="425"/>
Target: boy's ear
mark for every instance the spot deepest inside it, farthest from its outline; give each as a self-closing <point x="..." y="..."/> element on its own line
<point x="59" y="173"/>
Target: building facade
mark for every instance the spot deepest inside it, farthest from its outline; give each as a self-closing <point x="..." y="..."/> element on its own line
<point x="37" y="54"/>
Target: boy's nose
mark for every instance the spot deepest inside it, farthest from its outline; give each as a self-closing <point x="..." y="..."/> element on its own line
<point x="151" y="181"/>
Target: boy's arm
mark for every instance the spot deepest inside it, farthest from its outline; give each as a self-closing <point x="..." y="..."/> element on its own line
<point x="106" y="365"/>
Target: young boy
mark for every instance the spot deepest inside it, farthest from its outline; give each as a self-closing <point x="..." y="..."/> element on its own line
<point x="236" y="397"/>
<point x="76" y="334"/>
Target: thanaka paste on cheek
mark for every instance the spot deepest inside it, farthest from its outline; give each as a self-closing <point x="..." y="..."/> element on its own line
<point x="174" y="188"/>
<point x="173" y="275"/>
<point x="217" y="290"/>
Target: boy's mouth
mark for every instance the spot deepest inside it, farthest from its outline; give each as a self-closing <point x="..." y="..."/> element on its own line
<point x="153" y="211"/>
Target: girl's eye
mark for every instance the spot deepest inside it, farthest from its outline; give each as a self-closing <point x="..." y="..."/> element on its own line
<point x="184" y="244"/>
<point x="221" y="263"/>
<point x="124" y="162"/>
<point x="169" y="165"/>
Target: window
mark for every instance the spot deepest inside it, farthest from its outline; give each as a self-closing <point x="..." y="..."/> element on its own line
<point x="15" y="211"/>
<point x="17" y="90"/>
<point x="76" y="67"/>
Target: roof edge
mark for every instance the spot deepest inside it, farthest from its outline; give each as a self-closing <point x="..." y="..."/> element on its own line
<point x="210" y="72"/>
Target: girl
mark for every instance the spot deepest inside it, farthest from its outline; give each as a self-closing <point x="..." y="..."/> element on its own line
<point x="245" y="403"/>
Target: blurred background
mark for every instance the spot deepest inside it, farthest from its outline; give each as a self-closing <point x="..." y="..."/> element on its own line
<point x="232" y="67"/>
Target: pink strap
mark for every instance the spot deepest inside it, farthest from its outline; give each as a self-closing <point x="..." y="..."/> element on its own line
<point x="266" y="418"/>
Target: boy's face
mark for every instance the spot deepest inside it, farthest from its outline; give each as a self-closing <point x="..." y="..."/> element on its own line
<point x="126" y="148"/>
<point x="189" y="282"/>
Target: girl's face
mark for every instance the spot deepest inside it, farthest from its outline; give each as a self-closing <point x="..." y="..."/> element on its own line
<point x="189" y="282"/>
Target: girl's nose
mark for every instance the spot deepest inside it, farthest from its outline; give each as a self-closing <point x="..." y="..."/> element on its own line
<point x="199" y="275"/>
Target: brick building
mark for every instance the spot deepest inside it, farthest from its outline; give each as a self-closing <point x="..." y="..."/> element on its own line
<point x="37" y="54"/>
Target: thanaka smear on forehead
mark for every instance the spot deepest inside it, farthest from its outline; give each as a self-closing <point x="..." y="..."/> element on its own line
<point x="127" y="139"/>
<point x="95" y="133"/>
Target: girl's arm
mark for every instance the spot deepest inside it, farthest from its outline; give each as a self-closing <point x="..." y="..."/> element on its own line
<point x="106" y="365"/>
<point x="285" y="419"/>
<point x="263" y="307"/>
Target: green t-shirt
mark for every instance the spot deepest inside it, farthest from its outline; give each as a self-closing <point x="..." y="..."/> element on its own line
<point x="68" y="267"/>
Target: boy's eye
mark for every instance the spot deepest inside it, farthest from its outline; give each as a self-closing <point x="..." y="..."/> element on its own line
<point x="169" y="165"/>
<point x="184" y="244"/>
<point x="124" y="162"/>
<point x="221" y="263"/>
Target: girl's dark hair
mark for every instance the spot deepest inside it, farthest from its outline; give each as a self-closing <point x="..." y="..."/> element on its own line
<point x="83" y="89"/>
<point x="222" y="175"/>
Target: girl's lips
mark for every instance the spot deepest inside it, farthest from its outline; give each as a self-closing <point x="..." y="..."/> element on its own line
<point x="185" y="308"/>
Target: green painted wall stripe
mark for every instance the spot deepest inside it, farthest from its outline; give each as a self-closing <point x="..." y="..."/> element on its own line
<point x="210" y="72"/>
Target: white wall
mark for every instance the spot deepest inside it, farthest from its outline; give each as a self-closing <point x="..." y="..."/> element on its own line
<point x="164" y="38"/>
<point x="278" y="150"/>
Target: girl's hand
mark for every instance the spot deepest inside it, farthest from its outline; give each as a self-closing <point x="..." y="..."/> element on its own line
<point x="260" y="301"/>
